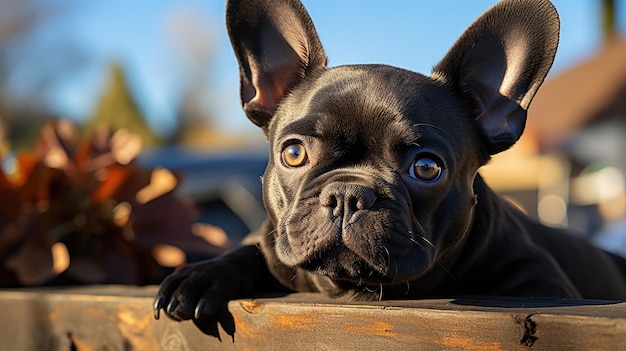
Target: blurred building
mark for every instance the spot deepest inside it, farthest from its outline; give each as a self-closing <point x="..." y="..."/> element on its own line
<point x="568" y="169"/>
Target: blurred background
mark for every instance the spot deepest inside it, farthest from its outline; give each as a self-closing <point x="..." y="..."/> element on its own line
<point x="164" y="71"/>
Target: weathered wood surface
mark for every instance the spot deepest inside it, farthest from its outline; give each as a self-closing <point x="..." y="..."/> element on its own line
<point x="120" y="318"/>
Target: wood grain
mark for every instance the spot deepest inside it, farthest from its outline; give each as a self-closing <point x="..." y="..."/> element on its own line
<point x="120" y="318"/>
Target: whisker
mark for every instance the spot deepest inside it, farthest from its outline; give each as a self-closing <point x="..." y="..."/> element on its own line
<point x="389" y="263"/>
<point x="427" y="241"/>
<point x="384" y="258"/>
<point x="423" y="238"/>
<point x="447" y="271"/>
<point x="388" y="260"/>
<point x="366" y="288"/>
<point x="420" y="236"/>
<point x="415" y="242"/>
<point x="379" y="289"/>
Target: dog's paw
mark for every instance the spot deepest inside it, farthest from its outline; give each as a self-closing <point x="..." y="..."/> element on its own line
<point x="199" y="292"/>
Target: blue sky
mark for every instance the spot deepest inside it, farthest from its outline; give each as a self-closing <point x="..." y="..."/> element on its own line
<point x="405" y="33"/>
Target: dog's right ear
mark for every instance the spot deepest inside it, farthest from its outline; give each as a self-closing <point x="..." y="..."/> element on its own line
<point x="277" y="47"/>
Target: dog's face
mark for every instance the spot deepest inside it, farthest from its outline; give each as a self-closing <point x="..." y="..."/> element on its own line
<point x="360" y="179"/>
<point x="372" y="167"/>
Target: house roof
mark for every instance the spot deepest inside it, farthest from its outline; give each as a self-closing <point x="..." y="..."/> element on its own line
<point x="592" y="90"/>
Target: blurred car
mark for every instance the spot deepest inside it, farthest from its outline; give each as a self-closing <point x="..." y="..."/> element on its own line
<point x="225" y="187"/>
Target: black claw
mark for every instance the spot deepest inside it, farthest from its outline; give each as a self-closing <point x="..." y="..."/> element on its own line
<point x="158" y="304"/>
<point x="172" y="306"/>
<point x="199" y="308"/>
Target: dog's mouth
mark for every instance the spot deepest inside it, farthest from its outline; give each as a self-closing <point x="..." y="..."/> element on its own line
<point x="384" y="256"/>
<point x="342" y="264"/>
<point x="354" y="233"/>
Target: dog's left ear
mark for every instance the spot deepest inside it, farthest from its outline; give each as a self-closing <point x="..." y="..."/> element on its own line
<point x="499" y="63"/>
<point x="277" y="47"/>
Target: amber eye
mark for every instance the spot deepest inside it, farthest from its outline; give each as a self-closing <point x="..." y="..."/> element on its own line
<point x="294" y="155"/>
<point x="425" y="169"/>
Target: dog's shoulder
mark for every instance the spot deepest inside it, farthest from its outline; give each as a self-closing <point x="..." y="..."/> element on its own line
<point x="586" y="266"/>
<point x="595" y="272"/>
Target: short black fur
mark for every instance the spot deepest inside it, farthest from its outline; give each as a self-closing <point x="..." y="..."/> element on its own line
<point x="357" y="218"/>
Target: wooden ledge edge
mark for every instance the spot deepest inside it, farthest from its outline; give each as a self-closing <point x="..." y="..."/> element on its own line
<point x="120" y="317"/>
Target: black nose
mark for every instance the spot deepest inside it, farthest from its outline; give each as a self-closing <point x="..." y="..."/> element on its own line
<point x="347" y="199"/>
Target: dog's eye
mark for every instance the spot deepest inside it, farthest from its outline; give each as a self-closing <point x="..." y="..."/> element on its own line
<point x="425" y="169"/>
<point x="294" y="155"/>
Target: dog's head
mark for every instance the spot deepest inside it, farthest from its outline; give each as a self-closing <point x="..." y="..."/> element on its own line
<point x="372" y="167"/>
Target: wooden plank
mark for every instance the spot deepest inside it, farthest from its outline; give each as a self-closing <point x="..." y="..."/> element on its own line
<point x="120" y="318"/>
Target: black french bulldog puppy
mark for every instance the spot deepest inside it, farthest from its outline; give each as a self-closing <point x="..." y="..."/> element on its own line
<point x="372" y="190"/>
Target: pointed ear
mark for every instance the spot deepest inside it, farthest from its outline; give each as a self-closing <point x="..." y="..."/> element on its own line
<point x="499" y="63"/>
<point x="276" y="46"/>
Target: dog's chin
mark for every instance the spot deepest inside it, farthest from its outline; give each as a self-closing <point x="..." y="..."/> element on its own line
<point x="381" y="247"/>
<point x="339" y="263"/>
<point x="343" y="265"/>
